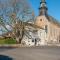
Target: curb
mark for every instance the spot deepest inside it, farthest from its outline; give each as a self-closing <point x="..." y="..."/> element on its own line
<point x="11" y="45"/>
<point x="19" y="45"/>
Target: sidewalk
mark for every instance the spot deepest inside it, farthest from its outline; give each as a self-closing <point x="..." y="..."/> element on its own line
<point x="19" y="45"/>
<point x="10" y="45"/>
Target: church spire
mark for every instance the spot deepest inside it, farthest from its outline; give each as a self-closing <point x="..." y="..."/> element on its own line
<point x="43" y="8"/>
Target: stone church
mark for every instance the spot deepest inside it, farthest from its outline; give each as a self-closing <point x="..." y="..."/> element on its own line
<point x="49" y="33"/>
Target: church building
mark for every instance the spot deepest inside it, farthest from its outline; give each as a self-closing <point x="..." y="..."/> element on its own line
<point x="49" y="23"/>
<point x="50" y="32"/>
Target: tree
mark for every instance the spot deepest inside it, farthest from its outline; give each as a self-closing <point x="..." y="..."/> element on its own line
<point x="19" y="13"/>
<point x="2" y="23"/>
<point x="19" y="7"/>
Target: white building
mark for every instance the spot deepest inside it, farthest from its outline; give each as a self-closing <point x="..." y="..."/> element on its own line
<point x="34" y="36"/>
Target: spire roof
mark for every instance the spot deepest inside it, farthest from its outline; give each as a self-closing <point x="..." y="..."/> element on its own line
<point x="43" y="8"/>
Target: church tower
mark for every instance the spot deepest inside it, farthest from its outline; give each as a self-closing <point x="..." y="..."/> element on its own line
<point x="43" y="8"/>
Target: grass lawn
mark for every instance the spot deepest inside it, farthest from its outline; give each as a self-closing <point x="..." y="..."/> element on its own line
<point x="7" y="41"/>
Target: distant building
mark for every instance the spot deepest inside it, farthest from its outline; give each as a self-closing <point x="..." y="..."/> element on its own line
<point x="50" y="34"/>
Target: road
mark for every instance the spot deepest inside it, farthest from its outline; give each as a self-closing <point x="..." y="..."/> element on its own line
<point x="32" y="53"/>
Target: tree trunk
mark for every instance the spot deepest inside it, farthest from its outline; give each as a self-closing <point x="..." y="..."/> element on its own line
<point x="17" y="40"/>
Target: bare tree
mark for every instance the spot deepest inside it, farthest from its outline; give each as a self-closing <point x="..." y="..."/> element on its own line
<point x="18" y="14"/>
<point x="2" y="23"/>
<point x="20" y="7"/>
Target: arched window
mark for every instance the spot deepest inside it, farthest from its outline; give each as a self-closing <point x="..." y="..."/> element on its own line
<point x="46" y="29"/>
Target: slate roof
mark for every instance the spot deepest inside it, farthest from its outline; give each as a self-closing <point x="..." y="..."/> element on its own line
<point x="53" y="20"/>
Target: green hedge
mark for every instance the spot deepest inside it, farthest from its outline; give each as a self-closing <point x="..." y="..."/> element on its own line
<point x="7" y="41"/>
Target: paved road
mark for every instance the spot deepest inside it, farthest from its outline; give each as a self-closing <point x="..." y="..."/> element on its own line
<point x="32" y="53"/>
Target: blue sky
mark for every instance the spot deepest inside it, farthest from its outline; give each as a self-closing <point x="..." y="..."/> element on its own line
<point x="53" y="7"/>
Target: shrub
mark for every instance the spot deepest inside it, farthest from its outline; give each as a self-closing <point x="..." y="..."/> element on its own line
<point x="8" y="41"/>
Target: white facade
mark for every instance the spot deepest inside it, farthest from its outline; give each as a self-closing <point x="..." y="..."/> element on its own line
<point x="36" y="37"/>
<point x="27" y="41"/>
<point x="42" y="35"/>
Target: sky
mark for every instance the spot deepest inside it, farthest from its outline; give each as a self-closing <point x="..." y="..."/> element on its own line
<point x="53" y="7"/>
